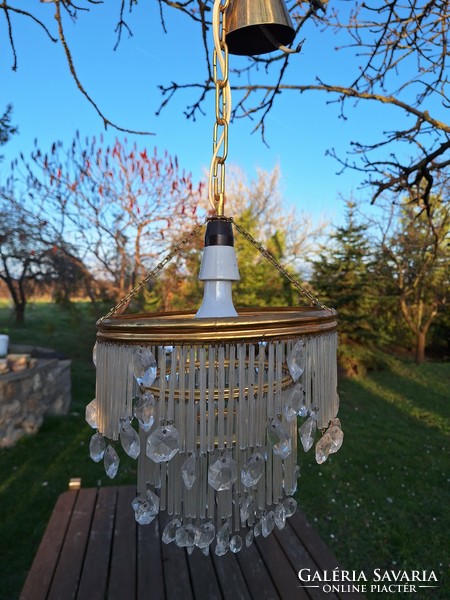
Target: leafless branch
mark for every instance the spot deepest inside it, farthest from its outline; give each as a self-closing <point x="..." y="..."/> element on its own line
<point x="80" y="86"/>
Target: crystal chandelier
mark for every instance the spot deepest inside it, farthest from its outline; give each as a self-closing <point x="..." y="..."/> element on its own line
<point x="216" y="395"/>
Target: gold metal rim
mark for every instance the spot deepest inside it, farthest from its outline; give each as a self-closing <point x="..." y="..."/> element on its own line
<point x="250" y="324"/>
<point x="256" y="389"/>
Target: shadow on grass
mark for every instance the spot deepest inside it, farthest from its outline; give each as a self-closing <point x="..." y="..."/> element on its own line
<point x="382" y="501"/>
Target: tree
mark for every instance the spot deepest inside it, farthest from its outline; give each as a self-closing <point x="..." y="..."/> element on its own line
<point x="257" y="206"/>
<point x="415" y="251"/>
<point x="395" y="54"/>
<point x="342" y="278"/>
<point x="6" y="129"/>
<point x="120" y="206"/>
<point x="30" y="252"/>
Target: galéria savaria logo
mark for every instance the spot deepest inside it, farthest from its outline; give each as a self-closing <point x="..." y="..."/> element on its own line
<point x="388" y="581"/>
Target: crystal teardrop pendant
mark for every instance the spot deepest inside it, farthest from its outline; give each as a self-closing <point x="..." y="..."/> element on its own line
<point x="91" y="413"/>
<point x="97" y="447"/>
<point x="279" y="439"/>
<point x="222" y="474"/>
<point x="307" y="432"/>
<point x="144" y="366"/>
<point x="144" y="411"/>
<point x="111" y="461"/>
<point x="129" y="439"/>
<point x="189" y="471"/>
<point x="163" y="444"/>
<point x="253" y="470"/>
<point x="295" y="360"/>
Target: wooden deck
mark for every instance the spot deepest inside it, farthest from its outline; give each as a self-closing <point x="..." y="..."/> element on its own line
<point x="93" y="549"/>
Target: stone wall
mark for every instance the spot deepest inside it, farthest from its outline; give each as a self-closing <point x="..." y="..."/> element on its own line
<point x="27" y="396"/>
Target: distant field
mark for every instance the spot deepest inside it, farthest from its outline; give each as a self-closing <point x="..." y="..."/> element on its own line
<point x="381" y="502"/>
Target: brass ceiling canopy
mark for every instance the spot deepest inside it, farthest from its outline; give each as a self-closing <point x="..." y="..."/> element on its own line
<point x="257" y="26"/>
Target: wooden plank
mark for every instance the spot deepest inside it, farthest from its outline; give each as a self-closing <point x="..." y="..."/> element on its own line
<point x="258" y="580"/>
<point x="279" y="568"/>
<point x="318" y="550"/>
<point x="203" y="576"/>
<point x="150" y="580"/>
<point x="92" y="548"/>
<point x="299" y="558"/>
<point x="41" y="573"/>
<point x="122" y="578"/>
<point x="94" y="577"/>
<point x="230" y="577"/>
<point x="70" y="564"/>
<point x="176" y="573"/>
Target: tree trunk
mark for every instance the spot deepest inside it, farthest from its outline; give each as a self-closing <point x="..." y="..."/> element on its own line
<point x="20" y="312"/>
<point x="420" y="346"/>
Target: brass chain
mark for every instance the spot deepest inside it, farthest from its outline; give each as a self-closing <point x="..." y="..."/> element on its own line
<point x="277" y="265"/>
<point x="223" y="109"/>
<point x="155" y="272"/>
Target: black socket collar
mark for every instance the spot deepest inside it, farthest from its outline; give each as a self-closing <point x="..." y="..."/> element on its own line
<point x="219" y="232"/>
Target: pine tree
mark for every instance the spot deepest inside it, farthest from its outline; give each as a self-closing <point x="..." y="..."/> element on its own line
<point x="341" y="278"/>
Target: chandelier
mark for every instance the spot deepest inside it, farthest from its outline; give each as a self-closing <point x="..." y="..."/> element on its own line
<point x="209" y="402"/>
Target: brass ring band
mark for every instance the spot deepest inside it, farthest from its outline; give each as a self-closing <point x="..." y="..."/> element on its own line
<point x="251" y="325"/>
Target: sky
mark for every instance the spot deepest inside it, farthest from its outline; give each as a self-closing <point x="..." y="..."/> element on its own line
<point x="48" y="106"/>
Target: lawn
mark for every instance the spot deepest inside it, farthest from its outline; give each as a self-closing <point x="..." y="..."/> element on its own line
<point x="381" y="502"/>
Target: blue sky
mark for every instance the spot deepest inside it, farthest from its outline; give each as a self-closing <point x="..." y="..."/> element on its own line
<point x="47" y="105"/>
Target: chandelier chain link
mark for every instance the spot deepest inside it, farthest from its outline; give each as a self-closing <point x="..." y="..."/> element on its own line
<point x="216" y="184"/>
<point x="277" y="265"/>
<point x="154" y="272"/>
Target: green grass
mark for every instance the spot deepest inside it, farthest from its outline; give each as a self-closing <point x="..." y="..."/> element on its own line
<point x="38" y="468"/>
<point x="381" y="502"/>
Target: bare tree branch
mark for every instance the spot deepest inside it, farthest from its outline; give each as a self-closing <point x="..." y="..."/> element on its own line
<point x="62" y="38"/>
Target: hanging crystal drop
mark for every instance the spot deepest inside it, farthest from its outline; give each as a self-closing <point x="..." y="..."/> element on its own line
<point x="144" y="366"/>
<point x="111" y="462"/>
<point x="222" y="474"/>
<point x="189" y="471"/>
<point x="144" y="411"/>
<point x="236" y="544"/>
<point x="221" y="549"/>
<point x="129" y="438"/>
<point x="279" y="439"/>
<point x="246" y="509"/>
<point x="170" y="530"/>
<point x="323" y="448"/>
<point x="207" y="534"/>
<point x="205" y="551"/>
<point x="337" y="435"/>
<point x="267" y="523"/>
<point x="91" y="414"/>
<point x="153" y="501"/>
<point x="290" y="506"/>
<point x="136" y="501"/>
<point x="147" y="509"/>
<point x="280" y="516"/>
<point x="187" y="535"/>
<point x="223" y="535"/>
<point x="97" y="447"/>
<point x="307" y="432"/>
<point x="249" y="538"/>
<point x="163" y="443"/>
<point x="303" y="410"/>
<point x="257" y="529"/>
<point x="293" y="398"/>
<point x="290" y="491"/>
<point x="253" y="470"/>
<point x="295" y="360"/>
